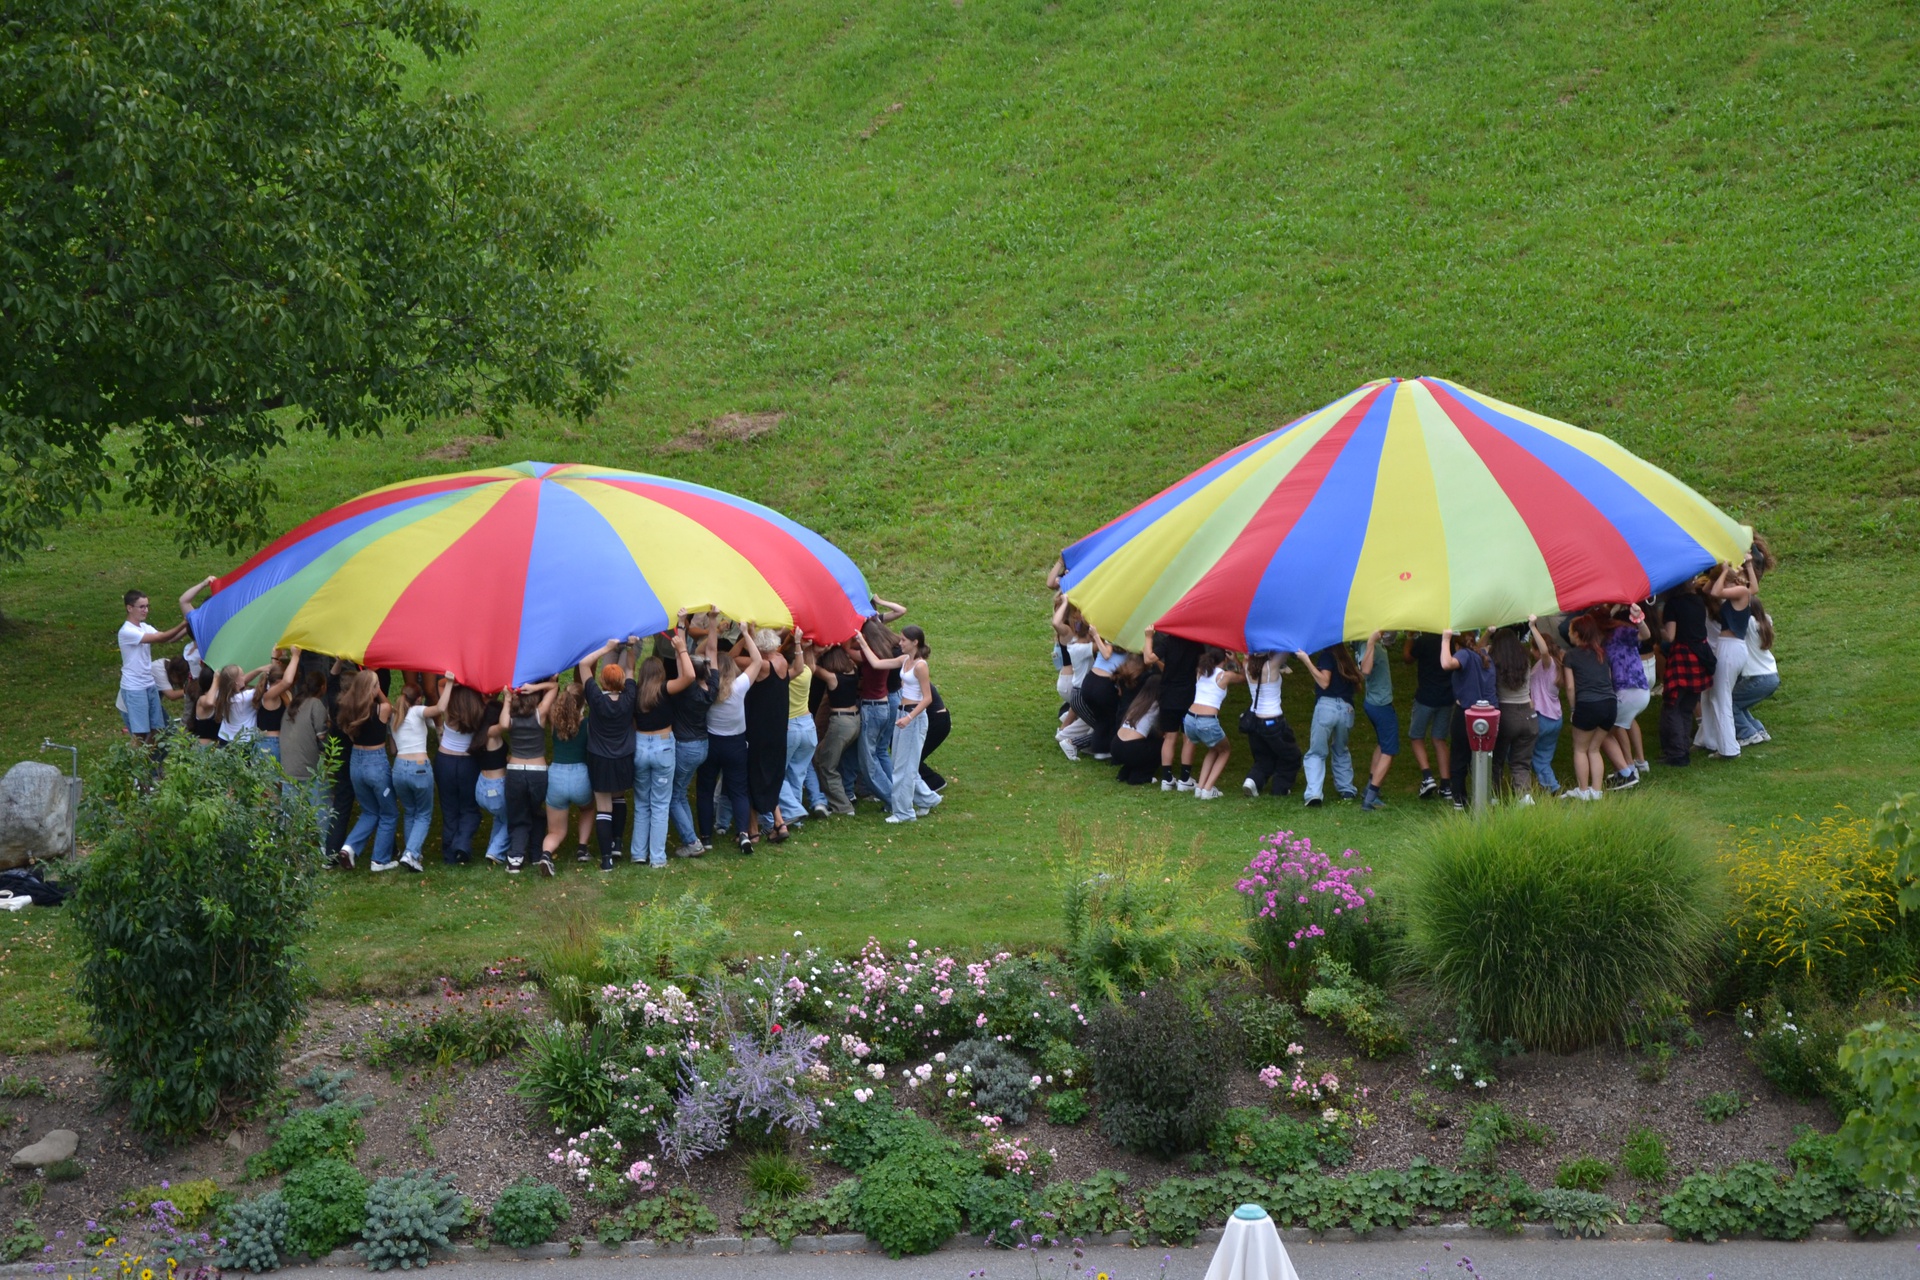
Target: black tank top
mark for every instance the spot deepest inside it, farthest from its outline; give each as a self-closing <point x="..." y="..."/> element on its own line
<point x="372" y="733"/>
<point x="489" y="758"/>
<point x="268" y="720"/>
<point x="207" y="730"/>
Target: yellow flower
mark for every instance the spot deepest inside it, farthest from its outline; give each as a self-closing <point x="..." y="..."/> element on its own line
<point x="146" y="1273"/>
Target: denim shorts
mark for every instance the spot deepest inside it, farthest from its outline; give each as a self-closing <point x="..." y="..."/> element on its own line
<point x="1386" y="726"/>
<point x="142" y="710"/>
<point x="1205" y="730"/>
<point x="567" y="785"/>
<point x="1437" y="721"/>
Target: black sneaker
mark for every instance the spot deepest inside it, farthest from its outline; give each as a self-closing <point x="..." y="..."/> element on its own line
<point x="746" y="845"/>
<point x="581" y="855"/>
<point x="546" y="866"/>
<point x="1621" y="781"/>
<point x="514" y="865"/>
<point x="1313" y="802"/>
<point x="606" y="862"/>
<point x="1429" y="788"/>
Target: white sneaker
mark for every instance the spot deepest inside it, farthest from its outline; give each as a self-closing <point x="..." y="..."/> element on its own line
<point x="1184" y="784"/>
<point x="1073" y="752"/>
<point x="1103" y="755"/>
<point x="378" y="867"/>
<point x="1204" y="793"/>
<point x="931" y="805"/>
<point x="411" y="862"/>
<point x="1166" y="784"/>
<point x="1593" y="793"/>
<point x="1642" y="768"/>
<point x="344" y="858"/>
<point x="1248" y="787"/>
<point x="896" y="818"/>
<point x="1526" y="800"/>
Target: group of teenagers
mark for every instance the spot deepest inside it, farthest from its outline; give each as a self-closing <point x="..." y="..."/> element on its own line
<point x="712" y="730"/>
<point x="1705" y="647"/>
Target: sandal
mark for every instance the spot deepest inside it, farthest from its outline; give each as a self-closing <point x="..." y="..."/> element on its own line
<point x="780" y="834"/>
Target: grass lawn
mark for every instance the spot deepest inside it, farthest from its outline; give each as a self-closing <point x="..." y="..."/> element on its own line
<point x="1009" y="268"/>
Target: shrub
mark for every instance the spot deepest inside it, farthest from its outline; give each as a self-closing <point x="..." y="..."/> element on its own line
<point x="408" y="1218"/>
<point x="1248" y="1138"/>
<point x="1644" y="1156"/>
<point x="1359" y="1008"/>
<point x="1577" y="1213"/>
<point x="193" y="1202"/>
<point x="326" y="1206"/>
<point x="189" y="916"/>
<point x="909" y="1201"/>
<point x="527" y="1213"/>
<point x="1466" y="1060"/>
<point x="860" y="1131"/>
<point x="565" y="1072"/>
<point x="1721" y="1106"/>
<point x="1000" y="1080"/>
<point x="1549" y="924"/>
<point x="569" y="967"/>
<point x="1819" y="904"/>
<point x="1264" y="1027"/>
<point x="310" y="1134"/>
<point x="990" y="1206"/>
<point x="1795" y="1040"/>
<point x="670" y="1217"/>
<point x="1132" y="915"/>
<point x="682" y="941"/>
<point x="1069" y="1106"/>
<point x="1028" y="999"/>
<point x="782" y="1220"/>
<point x="68" y="1170"/>
<point x="1096" y="1206"/>
<point x="1491" y="1126"/>
<point x="775" y="1175"/>
<point x="255" y="1234"/>
<point x="1583" y="1173"/>
<point x="443" y="1037"/>
<point x="1304" y="904"/>
<point x="1869" y="1210"/>
<point x="1881" y="1139"/>
<point x="1160" y="1083"/>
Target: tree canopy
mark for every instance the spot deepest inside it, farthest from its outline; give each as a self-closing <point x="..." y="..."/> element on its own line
<point x="224" y="221"/>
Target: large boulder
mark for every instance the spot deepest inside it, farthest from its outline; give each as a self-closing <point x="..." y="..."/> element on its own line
<point x="36" y="814"/>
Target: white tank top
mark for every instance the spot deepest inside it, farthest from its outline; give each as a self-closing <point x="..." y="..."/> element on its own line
<point x="410" y="739"/>
<point x="909" y="686"/>
<point x="1080" y="654"/>
<point x="1209" y="692"/>
<point x="453" y="742"/>
<point x="1266" y="696"/>
<point x="729" y="718"/>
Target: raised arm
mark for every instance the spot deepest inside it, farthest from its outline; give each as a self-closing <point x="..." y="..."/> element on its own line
<point x="889" y="610"/>
<point x="291" y="672"/>
<point x="756" y="661"/>
<point x="1366" y="658"/>
<point x="1321" y="678"/>
<point x="1447" y="661"/>
<point x="1056" y="573"/>
<point x="1100" y="642"/>
<point x="683" y="669"/>
<point x="592" y="660"/>
<point x="1406" y="648"/>
<point x="1061" y="631"/>
<point x="438" y="710"/>
<point x="875" y="660"/>
<point x="1540" y="650"/>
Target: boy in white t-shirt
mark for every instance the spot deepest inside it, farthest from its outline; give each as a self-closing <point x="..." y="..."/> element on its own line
<point x="139" y="698"/>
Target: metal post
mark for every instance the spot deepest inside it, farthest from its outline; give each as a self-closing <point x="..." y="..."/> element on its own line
<point x="1482" y="780"/>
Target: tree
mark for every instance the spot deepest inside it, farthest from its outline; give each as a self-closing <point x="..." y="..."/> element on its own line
<point x="222" y="221"/>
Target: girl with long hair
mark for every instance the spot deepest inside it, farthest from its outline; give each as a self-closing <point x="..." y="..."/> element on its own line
<point x="456" y="774"/>
<point x="231" y="703"/>
<point x="1631" y="690"/>
<point x="490" y="788"/>
<point x="726" y="760"/>
<point x="1543" y="696"/>
<point x="1519" y="728"/>
<point x="1136" y="742"/>
<point x="1335" y="677"/>
<point x="690" y="707"/>
<point x="1074" y="645"/>
<point x="1376" y="674"/>
<point x="611" y="695"/>
<point x="1276" y="752"/>
<point x="1587" y="678"/>
<point x="523" y="724"/>
<point x="653" y="750"/>
<point x="1432" y="713"/>
<point x="803" y="738"/>
<point x="879" y="707"/>
<point x="364" y="718"/>
<point x="1213" y="676"/>
<point x="1727" y="633"/>
<point x="1178" y="660"/>
<point x="567" y="784"/>
<point x="1759" y="679"/>
<point x="270" y="705"/>
<point x="412" y="770"/>
<point x="836" y="669"/>
<point x="1099" y="696"/>
<point x="303" y="732"/>
<point x="911" y="797"/>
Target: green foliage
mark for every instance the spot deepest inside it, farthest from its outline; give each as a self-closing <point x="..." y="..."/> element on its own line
<point x="1721" y="1105"/>
<point x="190" y="914"/>
<point x="31" y="1194"/>
<point x="1265" y="1027"/>
<point x="13" y="1086"/>
<point x="193" y="1201"/>
<point x="310" y="1134"/>
<point x="1097" y="1205"/>
<point x="1582" y="1173"/>
<point x="1175" y="1210"/>
<point x="1549" y="924"/>
<point x="782" y="1220"/>
<point x="68" y="1170"/>
<point x="1248" y="1138"/>
<point x="527" y="1213"/>
<point x="1795" y="1040"/>
<point x="1068" y="1106"/>
<point x="1751" y="1196"/>
<point x="1644" y="1156"/>
<point x="683" y="940"/>
<point x="565" y="1072"/>
<point x="857" y="1134"/>
<point x="326" y="1206"/>
<point x="362" y="293"/>
<point x="1132" y="915"/>
<point x="775" y="1175"/>
<point x="990" y="1206"/>
<point x="255" y="1232"/>
<point x="24" y="1238"/>
<point x="569" y="965"/>
<point x="1578" y="1213"/>
<point x="674" y="1215"/>
<point x="1491" y="1126"/>
<point x="1160" y="1083"/>
<point x="909" y="1200"/>
<point x="1467" y="1060"/>
<point x="1881" y="1137"/>
<point x="1359" y="1008"/>
<point x="443" y="1037"/>
<point x="1000" y="1080"/>
<point x="328" y="1086"/>
<point x="1896" y="831"/>
<point x="408" y="1217"/>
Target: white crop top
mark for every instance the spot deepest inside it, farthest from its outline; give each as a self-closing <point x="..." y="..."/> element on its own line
<point x="1266" y="697"/>
<point x="453" y="742"/>
<point x="1144" y="725"/>
<point x="1209" y="692"/>
<point x="909" y="686"/>
<point x="410" y="739"/>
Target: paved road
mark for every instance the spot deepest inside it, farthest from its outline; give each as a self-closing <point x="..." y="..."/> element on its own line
<point x="1370" y="1260"/>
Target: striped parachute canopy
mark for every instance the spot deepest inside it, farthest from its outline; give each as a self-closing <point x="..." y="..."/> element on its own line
<point x="506" y="575"/>
<point x="1414" y="505"/>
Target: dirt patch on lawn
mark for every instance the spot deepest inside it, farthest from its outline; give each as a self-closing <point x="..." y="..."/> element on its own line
<point x="457" y="448"/>
<point x="728" y="428"/>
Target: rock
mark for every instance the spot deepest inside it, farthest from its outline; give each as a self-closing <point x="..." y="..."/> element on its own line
<point x="235" y="1141"/>
<point x="36" y="814"/>
<point x="58" y="1145"/>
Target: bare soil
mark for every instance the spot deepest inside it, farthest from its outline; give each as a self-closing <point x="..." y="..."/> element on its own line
<point x="735" y="428"/>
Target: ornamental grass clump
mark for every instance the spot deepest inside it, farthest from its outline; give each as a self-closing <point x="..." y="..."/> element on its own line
<point x="1551" y="925"/>
<point x="1304" y="902"/>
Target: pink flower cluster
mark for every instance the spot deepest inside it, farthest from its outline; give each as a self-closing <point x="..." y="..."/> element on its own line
<point x="1294" y="884"/>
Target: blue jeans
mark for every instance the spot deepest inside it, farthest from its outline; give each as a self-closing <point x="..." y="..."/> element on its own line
<point x="413" y="783"/>
<point x="1543" y="754"/>
<point x="802" y="738"/>
<point x="267" y="746"/>
<point x="876" y="745"/>
<point x="653" y="765"/>
<point x="911" y="796"/>
<point x="379" y="815"/>
<point x="688" y="756"/>
<point x="491" y="795"/>
<point x="1327" y="739"/>
<point x="1748" y="693"/>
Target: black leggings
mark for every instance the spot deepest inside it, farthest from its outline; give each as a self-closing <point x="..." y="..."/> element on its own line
<point x="1101" y="697"/>
<point x="1138" y="758"/>
<point x="939" y="725"/>
<point x="1276" y="755"/>
<point x="1459" y="756"/>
